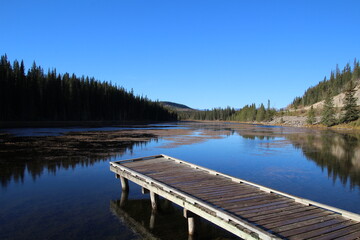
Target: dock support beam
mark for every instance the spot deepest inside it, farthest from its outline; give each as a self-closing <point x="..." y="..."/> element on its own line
<point x="144" y="190"/>
<point x="124" y="184"/>
<point x="192" y="219"/>
<point x="154" y="200"/>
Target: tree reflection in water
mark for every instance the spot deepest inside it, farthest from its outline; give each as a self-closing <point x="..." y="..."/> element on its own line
<point x="337" y="153"/>
<point x="36" y="155"/>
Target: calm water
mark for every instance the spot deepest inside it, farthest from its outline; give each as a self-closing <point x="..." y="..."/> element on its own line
<point x="81" y="201"/>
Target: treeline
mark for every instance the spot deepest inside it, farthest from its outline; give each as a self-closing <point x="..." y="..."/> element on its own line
<point x="249" y="113"/>
<point x="51" y="96"/>
<point x="335" y="84"/>
<point x="220" y="114"/>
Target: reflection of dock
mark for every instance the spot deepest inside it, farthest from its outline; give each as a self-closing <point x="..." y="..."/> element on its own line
<point x="130" y="221"/>
<point x="245" y="209"/>
<point x="166" y="223"/>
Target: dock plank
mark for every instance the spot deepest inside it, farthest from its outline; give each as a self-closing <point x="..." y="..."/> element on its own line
<point x="339" y="233"/>
<point x="322" y="231"/>
<point x="350" y="236"/>
<point x="306" y="223"/>
<point x="276" y="215"/>
<point x="276" y="210"/>
<point x="311" y="227"/>
<point x="296" y="220"/>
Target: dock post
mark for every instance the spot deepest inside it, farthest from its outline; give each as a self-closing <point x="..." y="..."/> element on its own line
<point x="144" y="190"/>
<point x="192" y="219"/>
<point x="154" y="200"/>
<point x="124" y="184"/>
<point x="191" y="223"/>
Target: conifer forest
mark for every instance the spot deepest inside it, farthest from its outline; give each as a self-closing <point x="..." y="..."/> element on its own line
<point x="40" y="96"/>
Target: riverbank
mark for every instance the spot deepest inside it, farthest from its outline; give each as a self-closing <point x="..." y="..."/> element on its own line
<point x="286" y="121"/>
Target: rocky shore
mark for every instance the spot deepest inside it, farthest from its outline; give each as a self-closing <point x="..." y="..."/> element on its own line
<point x="295" y="121"/>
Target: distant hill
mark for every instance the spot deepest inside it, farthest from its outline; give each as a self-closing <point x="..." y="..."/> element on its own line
<point x="176" y="106"/>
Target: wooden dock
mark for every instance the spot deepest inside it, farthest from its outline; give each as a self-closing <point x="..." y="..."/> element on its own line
<point x="248" y="210"/>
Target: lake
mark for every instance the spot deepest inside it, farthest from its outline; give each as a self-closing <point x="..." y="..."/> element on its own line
<point x="58" y="191"/>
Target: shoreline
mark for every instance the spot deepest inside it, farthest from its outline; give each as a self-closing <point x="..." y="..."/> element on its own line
<point x="298" y="122"/>
<point x="340" y="127"/>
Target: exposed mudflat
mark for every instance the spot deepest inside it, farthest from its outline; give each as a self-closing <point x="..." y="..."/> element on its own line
<point x="79" y="144"/>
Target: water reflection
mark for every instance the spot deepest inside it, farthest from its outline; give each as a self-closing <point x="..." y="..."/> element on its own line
<point x="76" y="203"/>
<point x="38" y="155"/>
<point x="334" y="152"/>
<point x="337" y="153"/>
<point x="166" y="223"/>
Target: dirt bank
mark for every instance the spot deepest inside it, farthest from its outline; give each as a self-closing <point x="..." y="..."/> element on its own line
<point x="294" y="121"/>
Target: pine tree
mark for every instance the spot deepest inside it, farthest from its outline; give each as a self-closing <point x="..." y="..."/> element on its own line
<point x="260" y="115"/>
<point x="350" y="108"/>
<point x="328" y="113"/>
<point x="268" y="112"/>
<point x="311" y="116"/>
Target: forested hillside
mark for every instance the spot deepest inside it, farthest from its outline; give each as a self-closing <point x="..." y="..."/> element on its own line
<point x="336" y="84"/>
<point x="51" y="96"/>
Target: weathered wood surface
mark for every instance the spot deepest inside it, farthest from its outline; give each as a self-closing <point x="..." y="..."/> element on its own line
<point x="246" y="209"/>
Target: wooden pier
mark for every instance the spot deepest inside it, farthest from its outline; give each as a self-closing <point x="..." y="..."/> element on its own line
<point x="248" y="210"/>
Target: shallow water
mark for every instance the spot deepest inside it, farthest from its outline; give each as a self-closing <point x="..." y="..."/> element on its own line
<point x="33" y="132"/>
<point x="80" y="200"/>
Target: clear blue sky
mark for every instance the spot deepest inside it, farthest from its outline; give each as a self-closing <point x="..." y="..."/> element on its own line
<point x="203" y="54"/>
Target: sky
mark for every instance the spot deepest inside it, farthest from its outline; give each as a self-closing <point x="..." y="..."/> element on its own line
<point x="204" y="54"/>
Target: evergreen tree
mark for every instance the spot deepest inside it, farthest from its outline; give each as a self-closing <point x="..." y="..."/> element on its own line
<point x="328" y="113"/>
<point x="311" y="116"/>
<point x="260" y="115"/>
<point x="350" y="108"/>
<point x="268" y="112"/>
